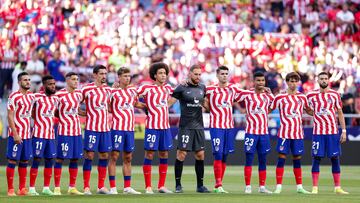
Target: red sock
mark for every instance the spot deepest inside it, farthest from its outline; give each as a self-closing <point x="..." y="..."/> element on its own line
<point x="279" y="175"/>
<point x="247" y="174"/>
<point x="73" y="174"/>
<point x="112" y="181"/>
<point x="33" y="175"/>
<point x="47" y="176"/>
<point x="10" y="177"/>
<point x="101" y="176"/>
<point x="218" y="173"/>
<point x="147" y="175"/>
<point x="315" y="178"/>
<point x="298" y="175"/>
<point x="22" y="177"/>
<point x="57" y="176"/>
<point x="127" y="181"/>
<point x="162" y="174"/>
<point x="86" y="177"/>
<point x="336" y="177"/>
<point x="223" y="170"/>
<point x="262" y="177"/>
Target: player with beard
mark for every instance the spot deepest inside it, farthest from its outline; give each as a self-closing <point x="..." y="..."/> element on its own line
<point x="19" y="146"/>
<point x="325" y="103"/>
<point x="191" y="135"/>
<point x="43" y="141"/>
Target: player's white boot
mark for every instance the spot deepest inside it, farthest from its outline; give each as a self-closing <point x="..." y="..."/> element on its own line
<point x="278" y="189"/>
<point x="262" y="189"/>
<point x="164" y="190"/>
<point x="32" y="191"/>
<point x="103" y="191"/>
<point x="149" y="190"/>
<point x="113" y="191"/>
<point x="130" y="190"/>
<point x="87" y="191"/>
<point x="248" y="189"/>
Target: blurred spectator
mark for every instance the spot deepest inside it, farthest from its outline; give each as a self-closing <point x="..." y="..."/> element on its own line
<point x="19" y="68"/>
<point x="8" y="60"/>
<point x="54" y="67"/>
<point x="36" y="69"/>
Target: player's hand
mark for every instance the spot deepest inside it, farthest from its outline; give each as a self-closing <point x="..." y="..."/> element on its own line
<point x="116" y="85"/>
<point x="343" y="137"/>
<point x="17" y="138"/>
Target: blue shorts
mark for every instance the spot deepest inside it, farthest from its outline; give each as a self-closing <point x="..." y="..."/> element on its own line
<point x="123" y="140"/>
<point x="260" y="143"/>
<point x="296" y="146"/>
<point x="97" y="141"/>
<point x="69" y="147"/>
<point x="22" y="152"/>
<point x="44" y="148"/>
<point x="222" y="140"/>
<point x="326" y="145"/>
<point x="158" y="140"/>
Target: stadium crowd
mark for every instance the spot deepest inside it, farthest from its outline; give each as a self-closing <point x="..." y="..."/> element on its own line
<point x="276" y="36"/>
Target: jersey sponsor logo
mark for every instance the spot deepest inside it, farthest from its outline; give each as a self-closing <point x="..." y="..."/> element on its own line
<point x="162" y="104"/>
<point x="323" y="112"/>
<point x="224" y="104"/>
<point x="292" y="115"/>
<point x="25" y="115"/>
<point x="257" y="110"/>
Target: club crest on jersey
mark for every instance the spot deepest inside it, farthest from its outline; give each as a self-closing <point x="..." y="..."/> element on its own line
<point x="91" y="145"/>
<point x="196" y="101"/>
<point x="281" y="148"/>
<point x="37" y="152"/>
<point x="329" y="101"/>
<point x="217" y="148"/>
<point x="64" y="153"/>
<point x="151" y="144"/>
<point x="264" y="99"/>
<point x="299" y="101"/>
<point x="117" y="145"/>
<point x="315" y="151"/>
<point x="248" y="148"/>
<point x="14" y="154"/>
<point x="184" y="145"/>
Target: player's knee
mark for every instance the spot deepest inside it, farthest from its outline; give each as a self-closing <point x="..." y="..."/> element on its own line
<point x="11" y="161"/>
<point x="317" y="158"/>
<point x="104" y="155"/>
<point x="181" y="155"/>
<point x="200" y="155"/>
<point x="89" y="155"/>
<point x="37" y="159"/>
<point x="334" y="158"/>
<point x="127" y="158"/>
<point x="283" y="156"/>
<point x="163" y="154"/>
<point x="23" y="161"/>
<point x="149" y="155"/>
<point x="296" y="157"/>
<point x="61" y="160"/>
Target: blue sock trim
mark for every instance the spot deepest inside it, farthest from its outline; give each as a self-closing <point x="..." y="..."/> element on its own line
<point x="87" y="165"/>
<point x="280" y="163"/>
<point x="163" y="161"/>
<point x="335" y="163"/>
<point x="297" y="163"/>
<point x="147" y="161"/>
<point x="127" y="177"/>
<point x="262" y="162"/>
<point x="315" y="164"/>
<point x="73" y="164"/>
<point x="22" y="165"/>
<point x="218" y="156"/>
<point x="58" y="165"/>
<point x="35" y="164"/>
<point x="224" y="158"/>
<point x="111" y="177"/>
<point x="103" y="162"/>
<point x="249" y="159"/>
<point x="11" y="165"/>
<point x="49" y="163"/>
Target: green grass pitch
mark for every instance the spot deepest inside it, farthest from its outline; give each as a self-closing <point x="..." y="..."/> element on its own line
<point x="233" y="182"/>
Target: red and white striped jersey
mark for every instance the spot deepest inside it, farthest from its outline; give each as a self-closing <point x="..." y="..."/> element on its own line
<point x="44" y="109"/>
<point x="22" y="105"/>
<point x="97" y="101"/>
<point x="69" y="103"/>
<point x="221" y="105"/>
<point x="122" y="107"/>
<point x="325" y="106"/>
<point x="257" y="109"/>
<point x="291" y="109"/>
<point x="156" y="99"/>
